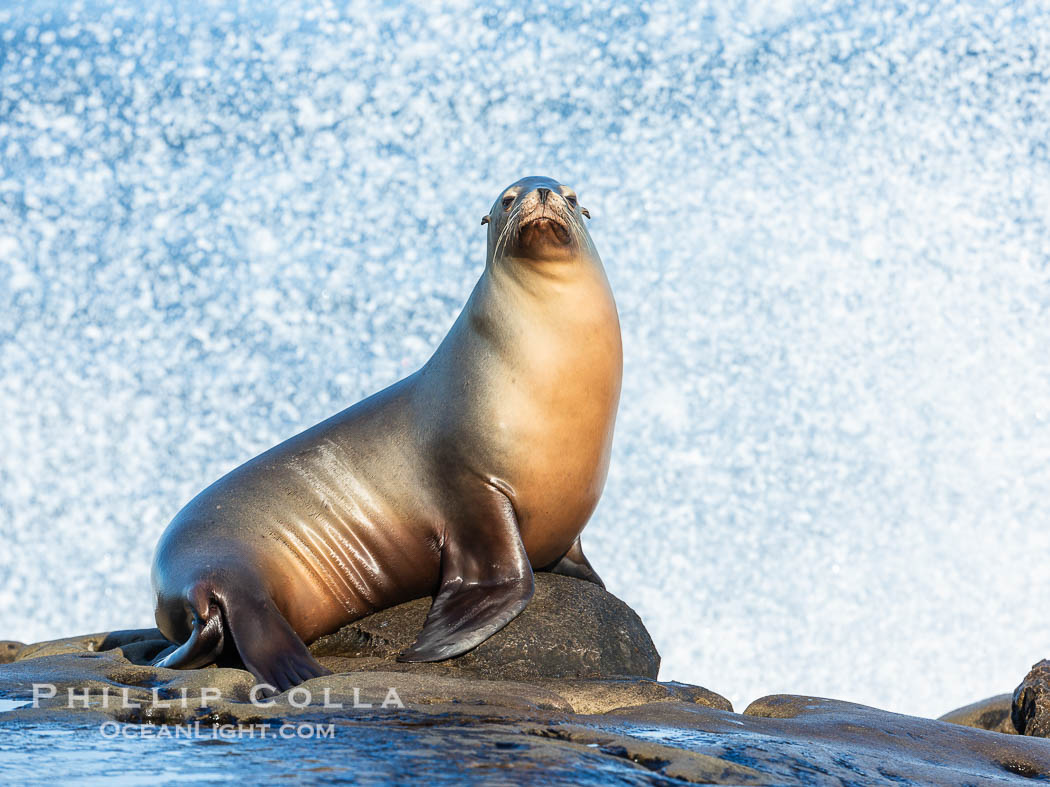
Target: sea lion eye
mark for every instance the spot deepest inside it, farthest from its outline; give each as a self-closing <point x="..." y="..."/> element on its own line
<point x="507" y="202"/>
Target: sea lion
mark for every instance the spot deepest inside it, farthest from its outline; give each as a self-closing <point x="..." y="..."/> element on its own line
<point x="456" y="482"/>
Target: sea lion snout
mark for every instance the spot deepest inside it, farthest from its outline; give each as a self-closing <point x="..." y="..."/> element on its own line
<point x="549" y="194"/>
<point x="532" y="198"/>
<point x="538" y="205"/>
<point x="538" y="219"/>
<point x="545" y="224"/>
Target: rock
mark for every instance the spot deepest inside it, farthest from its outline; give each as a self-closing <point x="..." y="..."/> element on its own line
<point x="1031" y="702"/>
<point x="53" y="647"/>
<point x="585" y="695"/>
<point x="810" y="740"/>
<point x="906" y="747"/>
<point x="990" y="714"/>
<point x="141" y="646"/>
<point x="597" y="695"/>
<point x="9" y="650"/>
<point x="568" y="687"/>
<point x="107" y="683"/>
<point x="570" y="637"/>
<point x="623" y="730"/>
<point x="82" y="665"/>
<point x="666" y="760"/>
<point x="570" y="629"/>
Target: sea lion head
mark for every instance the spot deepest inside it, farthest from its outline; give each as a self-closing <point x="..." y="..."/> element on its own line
<point x="538" y="220"/>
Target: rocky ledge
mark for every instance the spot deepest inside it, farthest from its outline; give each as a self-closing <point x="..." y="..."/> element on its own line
<point x="567" y="688"/>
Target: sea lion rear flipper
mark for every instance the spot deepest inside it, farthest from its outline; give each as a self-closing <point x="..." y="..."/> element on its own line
<point x="204" y="644"/>
<point x="575" y="564"/>
<point x="486" y="581"/>
<point x="228" y="613"/>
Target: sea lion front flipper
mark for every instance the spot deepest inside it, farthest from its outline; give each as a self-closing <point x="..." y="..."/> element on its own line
<point x="486" y="581"/>
<point x="575" y="564"/>
<point x="267" y="644"/>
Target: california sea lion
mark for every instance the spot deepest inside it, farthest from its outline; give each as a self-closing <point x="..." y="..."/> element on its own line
<point x="456" y="482"/>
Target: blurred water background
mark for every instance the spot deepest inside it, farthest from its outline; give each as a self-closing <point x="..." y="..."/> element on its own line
<point x="825" y="225"/>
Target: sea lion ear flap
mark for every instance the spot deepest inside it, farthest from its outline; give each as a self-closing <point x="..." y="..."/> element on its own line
<point x="485" y="220"/>
<point x="585" y="212"/>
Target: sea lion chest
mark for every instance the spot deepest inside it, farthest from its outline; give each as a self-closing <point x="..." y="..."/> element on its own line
<point x="536" y="406"/>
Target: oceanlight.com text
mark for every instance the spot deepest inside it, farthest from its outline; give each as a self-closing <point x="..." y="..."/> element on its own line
<point x="196" y="731"/>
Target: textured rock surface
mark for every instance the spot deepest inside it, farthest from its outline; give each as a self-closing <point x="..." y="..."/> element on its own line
<point x="601" y="695"/>
<point x="584" y="731"/>
<point x="100" y="680"/>
<point x="473" y="722"/>
<point x="990" y="714"/>
<point x="139" y="645"/>
<point x="571" y="637"/>
<point x="809" y="740"/>
<point x="1031" y="702"/>
<point x="569" y="629"/>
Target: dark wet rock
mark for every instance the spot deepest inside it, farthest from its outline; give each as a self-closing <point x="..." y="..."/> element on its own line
<point x="990" y="714"/>
<point x="601" y="695"/>
<point x="548" y="658"/>
<point x="630" y="727"/>
<point x="629" y="730"/>
<point x="1031" y="702"/>
<point x="9" y="650"/>
<point x="683" y="763"/>
<point x="140" y="646"/>
<point x="584" y="695"/>
<point x="106" y="681"/>
<point x="809" y="740"/>
<point x="570" y="629"/>
<point x="824" y="743"/>
<point x="54" y="647"/>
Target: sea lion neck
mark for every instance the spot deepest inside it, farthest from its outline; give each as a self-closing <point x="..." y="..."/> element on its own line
<point x="548" y="294"/>
<point x="545" y="277"/>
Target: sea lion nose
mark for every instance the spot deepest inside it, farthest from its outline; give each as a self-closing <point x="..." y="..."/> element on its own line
<point x="544" y="193"/>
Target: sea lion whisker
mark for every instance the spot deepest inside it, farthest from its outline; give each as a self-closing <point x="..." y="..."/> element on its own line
<point x="576" y="229"/>
<point x="505" y="233"/>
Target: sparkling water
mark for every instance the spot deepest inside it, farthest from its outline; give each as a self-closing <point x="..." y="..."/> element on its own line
<point x="825" y="225"/>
